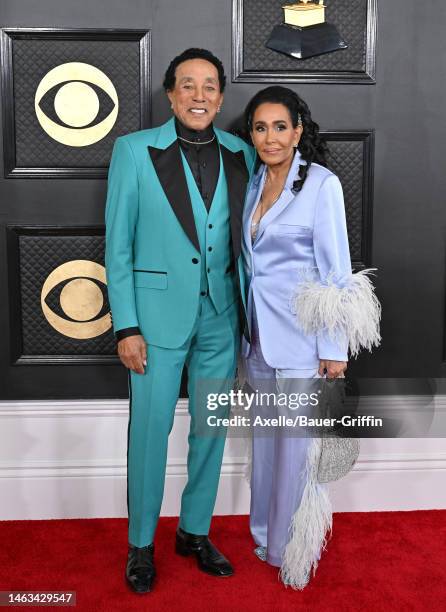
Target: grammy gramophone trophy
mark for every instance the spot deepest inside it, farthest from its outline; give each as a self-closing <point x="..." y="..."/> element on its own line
<point x="304" y="32"/>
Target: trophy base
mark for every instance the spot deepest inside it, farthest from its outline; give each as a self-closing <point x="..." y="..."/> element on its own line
<point x="302" y="43"/>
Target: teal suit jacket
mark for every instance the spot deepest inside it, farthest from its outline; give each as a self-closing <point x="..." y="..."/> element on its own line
<point x="152" y="246"/>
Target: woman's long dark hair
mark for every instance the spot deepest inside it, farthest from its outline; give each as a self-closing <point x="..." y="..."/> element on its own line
<point x="312" y="146"/>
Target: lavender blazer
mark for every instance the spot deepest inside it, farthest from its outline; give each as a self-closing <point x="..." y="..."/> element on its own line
<point x="298" y="274"/>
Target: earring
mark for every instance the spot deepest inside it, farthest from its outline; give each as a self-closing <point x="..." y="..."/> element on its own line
<point x="299" y="120"/>
<point x="218" y="109"/>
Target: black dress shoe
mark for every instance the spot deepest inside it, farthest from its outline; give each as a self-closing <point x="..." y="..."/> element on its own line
<point x="140" y="571"/>
<point x="209" y="559"/>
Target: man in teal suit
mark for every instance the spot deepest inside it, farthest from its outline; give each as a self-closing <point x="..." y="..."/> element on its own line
<point x="175" y="285"/>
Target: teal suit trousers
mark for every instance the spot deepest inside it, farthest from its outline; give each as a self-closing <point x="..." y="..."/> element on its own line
<point x="209" y="353"/>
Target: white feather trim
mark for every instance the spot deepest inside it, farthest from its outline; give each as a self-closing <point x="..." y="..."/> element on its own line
<point x="352" y="311"/>
<point x="310" y="526"/>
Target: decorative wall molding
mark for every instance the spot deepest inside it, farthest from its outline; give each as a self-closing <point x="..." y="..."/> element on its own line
<point x="67" y="459"/>
<point x="35" y="253"/>
<point x="231" y="465"/>
<point x="352" y="159"/>
<point x="119" y="407"/>
<point x="253" y="35"/>
<point x="62" y="46"/>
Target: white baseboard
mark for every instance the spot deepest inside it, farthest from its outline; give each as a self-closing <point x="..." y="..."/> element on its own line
<point x="67" y="459"/>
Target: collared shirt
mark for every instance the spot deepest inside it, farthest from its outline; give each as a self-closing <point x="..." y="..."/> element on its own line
<point x="203" y="159"/>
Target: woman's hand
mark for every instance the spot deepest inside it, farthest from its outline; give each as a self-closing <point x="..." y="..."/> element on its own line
<point x="333" y="369"/>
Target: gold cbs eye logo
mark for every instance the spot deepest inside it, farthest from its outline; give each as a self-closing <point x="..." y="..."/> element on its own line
<point x="76" y="104"/>
<point x="81" y="299"/>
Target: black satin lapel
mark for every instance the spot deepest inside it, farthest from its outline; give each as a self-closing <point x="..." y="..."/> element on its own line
<point x="237" y="176"/>
<point x="170" y="171"/>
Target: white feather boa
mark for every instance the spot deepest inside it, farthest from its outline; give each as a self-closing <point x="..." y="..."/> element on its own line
<point x="351" y="311"/>
<point x="310" y="526"/>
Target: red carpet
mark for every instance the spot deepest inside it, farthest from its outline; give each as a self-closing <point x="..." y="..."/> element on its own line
<point x="374" y="561"/>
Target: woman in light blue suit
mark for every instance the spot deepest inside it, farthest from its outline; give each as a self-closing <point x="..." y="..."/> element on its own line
<point x="305" y="310"/>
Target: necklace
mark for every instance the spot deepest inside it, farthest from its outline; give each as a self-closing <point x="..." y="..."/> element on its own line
<point x="260" y="206"/>
<point x="197" y="143"/>
<point x="275" y="197"/>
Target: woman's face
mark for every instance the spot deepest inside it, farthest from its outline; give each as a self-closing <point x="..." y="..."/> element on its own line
<point x="273" y="134"/>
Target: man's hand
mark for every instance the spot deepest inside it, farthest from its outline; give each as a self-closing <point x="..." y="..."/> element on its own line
<point x="334" y="369"/>
<point x="132" y="352"/>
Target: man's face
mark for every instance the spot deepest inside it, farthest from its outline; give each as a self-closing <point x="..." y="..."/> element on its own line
<point x="196" y="96"/>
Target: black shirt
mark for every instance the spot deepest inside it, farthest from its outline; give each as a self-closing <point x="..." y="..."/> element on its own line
<point x="203" y="159"/>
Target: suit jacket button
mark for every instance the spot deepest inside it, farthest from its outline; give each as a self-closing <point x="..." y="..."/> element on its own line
<point x="209" y="248"/>
<point x="210" y="226"/>
<point x="194" y="260"/>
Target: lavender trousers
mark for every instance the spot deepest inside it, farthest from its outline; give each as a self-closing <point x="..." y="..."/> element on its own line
<point x="279" y="457"/>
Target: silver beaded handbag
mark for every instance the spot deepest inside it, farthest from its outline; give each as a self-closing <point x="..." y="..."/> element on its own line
<point x="337" y="458"/>
<point x="338" y="454"/>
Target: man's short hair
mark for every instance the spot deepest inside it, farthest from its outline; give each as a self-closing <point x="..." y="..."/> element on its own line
<point x="189" y="54"/>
